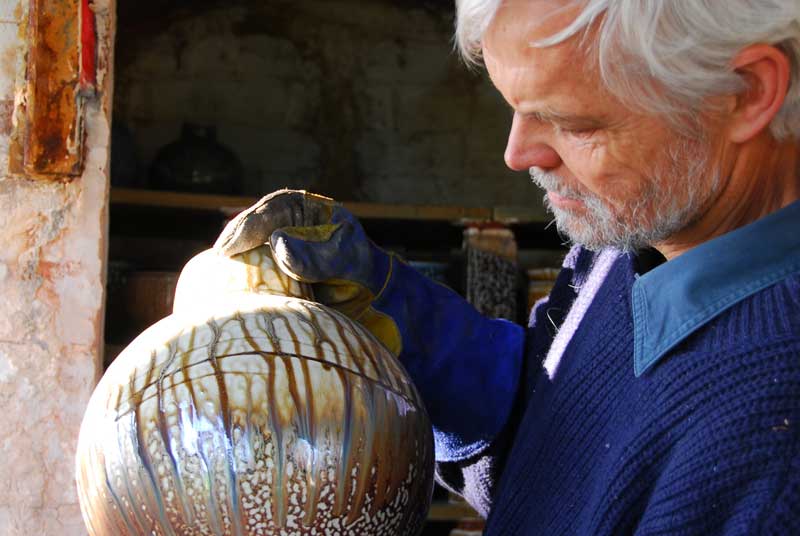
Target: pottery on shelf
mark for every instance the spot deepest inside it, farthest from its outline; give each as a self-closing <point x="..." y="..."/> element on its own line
<point x="197" y="162"/>
<point x="252" y="410"/>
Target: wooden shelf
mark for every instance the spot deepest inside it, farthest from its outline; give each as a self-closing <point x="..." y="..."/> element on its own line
<point x="155" y="198"/>
<point x="232" y="204"/>
<point x="447" y="511"/>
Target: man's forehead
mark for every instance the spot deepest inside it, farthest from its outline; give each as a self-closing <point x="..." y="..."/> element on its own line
<point x="521" y="71"/>
<point x="519" y="23"/>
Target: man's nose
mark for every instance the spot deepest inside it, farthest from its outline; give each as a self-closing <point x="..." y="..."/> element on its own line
<point x="526" y="147"/>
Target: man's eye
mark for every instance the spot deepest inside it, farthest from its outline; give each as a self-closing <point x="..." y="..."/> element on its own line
<point x="578" y="132"/>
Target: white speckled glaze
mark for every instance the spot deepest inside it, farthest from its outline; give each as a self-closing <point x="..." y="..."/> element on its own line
<point x="253" y="411"/>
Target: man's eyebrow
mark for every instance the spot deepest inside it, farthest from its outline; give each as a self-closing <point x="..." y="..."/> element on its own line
<point x="559" y="118"/>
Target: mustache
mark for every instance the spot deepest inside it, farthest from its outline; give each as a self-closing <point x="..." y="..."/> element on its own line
<point x="552" y="182"/>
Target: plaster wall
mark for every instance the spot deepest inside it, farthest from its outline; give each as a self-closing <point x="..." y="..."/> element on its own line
<point x="359" y="99"/>
<point x="53" y="238"/>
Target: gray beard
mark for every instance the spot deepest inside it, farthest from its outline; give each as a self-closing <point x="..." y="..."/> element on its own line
<point x="670" y="201"/>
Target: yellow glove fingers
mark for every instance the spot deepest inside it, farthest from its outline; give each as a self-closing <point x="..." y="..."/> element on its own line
<point x="314" y="233"/>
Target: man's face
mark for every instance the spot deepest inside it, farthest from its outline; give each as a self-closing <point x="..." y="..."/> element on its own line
<point x="614" y="177"/>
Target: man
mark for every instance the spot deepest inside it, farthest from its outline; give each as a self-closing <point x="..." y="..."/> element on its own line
<point x="651" y="393"/>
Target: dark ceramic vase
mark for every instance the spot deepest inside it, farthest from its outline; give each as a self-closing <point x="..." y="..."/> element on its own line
<point x="197" y="162"/>
<point x="254" y="411"/>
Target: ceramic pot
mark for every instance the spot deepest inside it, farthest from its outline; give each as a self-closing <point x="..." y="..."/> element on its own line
<point x="252" y="410"/>
<point x="148" y="297"/>
<point x="197" y="162"/>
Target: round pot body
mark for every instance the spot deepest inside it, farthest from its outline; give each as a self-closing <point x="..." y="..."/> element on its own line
<point x="263" y="414"/>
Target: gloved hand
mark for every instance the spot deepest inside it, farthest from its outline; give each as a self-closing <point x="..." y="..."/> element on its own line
<point x="465" y="366"/>
<point x="315" y="240"/>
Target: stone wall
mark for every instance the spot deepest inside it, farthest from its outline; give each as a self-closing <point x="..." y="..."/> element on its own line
<point x="359" y="99"/>
<point x="51" y="282"/>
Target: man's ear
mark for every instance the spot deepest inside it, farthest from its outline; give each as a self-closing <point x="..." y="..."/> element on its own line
<point x="765" y="71"/>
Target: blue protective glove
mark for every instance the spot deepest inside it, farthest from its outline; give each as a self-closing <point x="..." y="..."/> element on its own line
<point x="465" y="366"/>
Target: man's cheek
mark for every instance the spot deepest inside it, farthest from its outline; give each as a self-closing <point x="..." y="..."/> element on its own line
<point x="594" y="162"/>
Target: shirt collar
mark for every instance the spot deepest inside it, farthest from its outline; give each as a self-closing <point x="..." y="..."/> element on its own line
<point x="677" y="298"/>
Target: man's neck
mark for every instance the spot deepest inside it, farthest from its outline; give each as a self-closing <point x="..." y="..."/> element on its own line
<point x="756" y="179"/>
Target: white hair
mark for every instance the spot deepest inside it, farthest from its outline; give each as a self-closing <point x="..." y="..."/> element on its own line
<point x="668" y="56"/>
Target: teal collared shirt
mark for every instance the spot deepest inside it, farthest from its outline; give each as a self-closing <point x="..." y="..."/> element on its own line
<point x="677" y="298"/>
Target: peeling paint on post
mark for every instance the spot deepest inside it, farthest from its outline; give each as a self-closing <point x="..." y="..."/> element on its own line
<point x="53" y="135"/>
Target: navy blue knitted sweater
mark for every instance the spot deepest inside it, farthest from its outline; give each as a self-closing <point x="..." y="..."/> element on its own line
<point x="706" y="442"/>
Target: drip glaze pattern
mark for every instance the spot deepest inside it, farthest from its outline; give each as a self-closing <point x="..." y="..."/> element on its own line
<point x="253" y="411"/>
